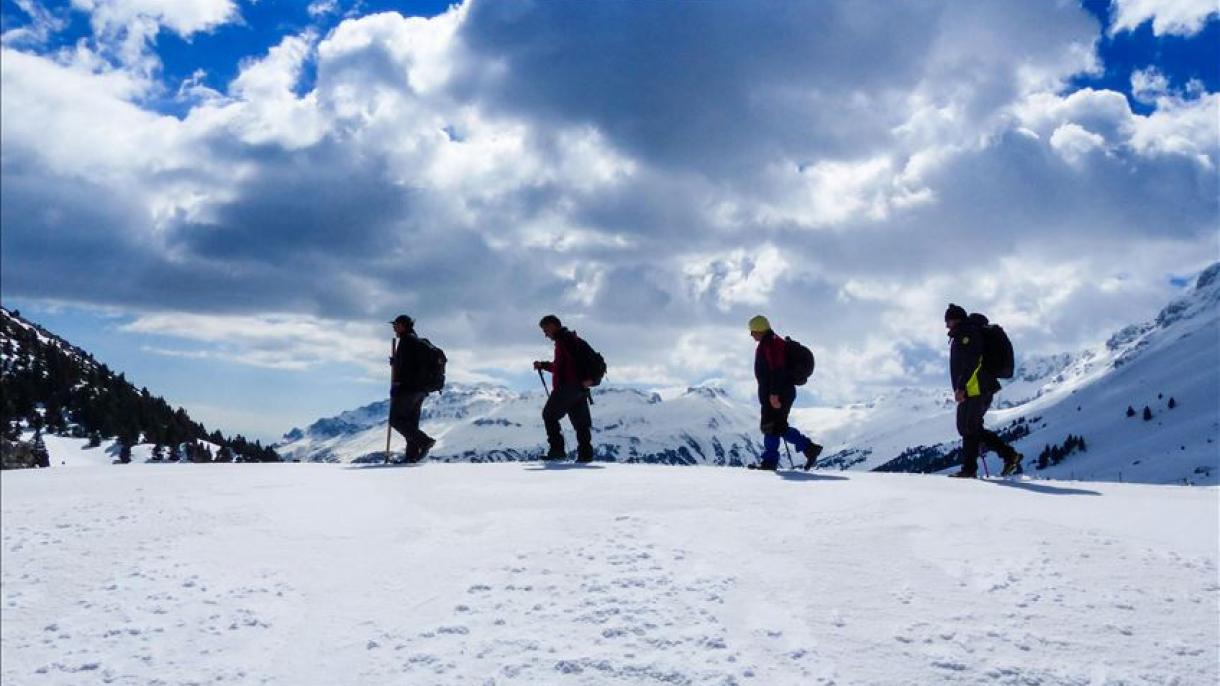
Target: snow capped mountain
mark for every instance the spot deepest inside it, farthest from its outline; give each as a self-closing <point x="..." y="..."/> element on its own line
<point x="486" y="423"/>
<point x="1051" y="397"/>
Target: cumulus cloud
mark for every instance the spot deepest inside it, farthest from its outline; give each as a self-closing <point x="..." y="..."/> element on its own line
<point x="1168" y="17"/>
<point x="655" y="173"/>
<point x="1074" y="142"/>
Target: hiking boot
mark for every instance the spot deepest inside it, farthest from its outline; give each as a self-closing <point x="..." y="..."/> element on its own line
<point x="553" y="455"/>
<point x="424" y="447"/>
<point x="811" y="455"/>
<point x="1012" y="464"/>
<point x="964" y="475"/>
<point x="769" y="464"/>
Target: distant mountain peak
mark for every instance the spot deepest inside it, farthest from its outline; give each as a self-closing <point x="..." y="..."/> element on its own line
<point x="1208" y="277"/>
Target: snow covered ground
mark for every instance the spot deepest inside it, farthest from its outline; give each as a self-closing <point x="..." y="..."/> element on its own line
<point x="519" y="573"/>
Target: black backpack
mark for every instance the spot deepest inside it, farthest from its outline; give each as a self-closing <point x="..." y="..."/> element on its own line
<point x="589" y="363"/>
<point x="431" y="366"/>
<point x="800" y="361"/>
<point x="998" y="358"/>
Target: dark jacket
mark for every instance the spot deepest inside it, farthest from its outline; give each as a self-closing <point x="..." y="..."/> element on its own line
<point x="966" y="371"/>
<point x="564" y="369"/>
<point x="407" y="364"/>
<point x="771" y="369"/>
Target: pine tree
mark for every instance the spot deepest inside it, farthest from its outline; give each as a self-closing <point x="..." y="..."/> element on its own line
<point x="1147" y="413"/>
<point x="1130" y="411"/>
<point x="41" y="457"/>
<point x="1172" y="403"/>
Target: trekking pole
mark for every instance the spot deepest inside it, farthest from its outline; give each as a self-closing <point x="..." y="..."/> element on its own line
<point x="788" y="450"/>
<point x="389" y="426"/>
<point x="543" y="380"/>
<point x="986" y="471"/>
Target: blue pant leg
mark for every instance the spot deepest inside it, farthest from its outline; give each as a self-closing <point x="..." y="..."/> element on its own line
<point x="770" y="447"/>
<point x="798" y="440"/>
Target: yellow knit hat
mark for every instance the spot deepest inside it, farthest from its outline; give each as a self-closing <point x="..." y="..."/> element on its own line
<point x="759" y="324"/>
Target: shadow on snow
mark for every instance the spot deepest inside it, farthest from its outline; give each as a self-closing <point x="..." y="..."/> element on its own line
<point x="1042" y="488"/>
<point x="560" y="466"/>
<point x="809" y="476"/>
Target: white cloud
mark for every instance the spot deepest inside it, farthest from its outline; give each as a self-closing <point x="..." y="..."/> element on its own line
<point x="275" y="341"/>
<point x="1181" y="127"/>
<point x="321" y="8"/>
<point x="124" y="30"/>
<point x="1148" y="84"/>
<point x="1073" y="142"/>
<point x="1169" y="17"/>
<point x="739" y="277"/>
<point x="42" y="23"/>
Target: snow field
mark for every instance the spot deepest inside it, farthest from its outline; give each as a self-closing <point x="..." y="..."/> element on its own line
<point x="605" y="574"/>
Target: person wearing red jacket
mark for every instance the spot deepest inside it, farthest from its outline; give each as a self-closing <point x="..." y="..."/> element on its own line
<point x="776" y="394"/>
<point x="569" y="393"/>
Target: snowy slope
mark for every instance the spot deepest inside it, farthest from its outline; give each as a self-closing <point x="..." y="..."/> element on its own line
<point x="611" y="574"/>
<point x="489" y="423"/>
<point x="66" y="451"/>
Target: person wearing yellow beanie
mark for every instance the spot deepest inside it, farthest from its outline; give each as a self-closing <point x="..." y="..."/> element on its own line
<point x="777" y="393"/>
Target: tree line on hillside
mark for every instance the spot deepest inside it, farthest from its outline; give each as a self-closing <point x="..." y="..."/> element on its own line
<point x="50" y="387"/>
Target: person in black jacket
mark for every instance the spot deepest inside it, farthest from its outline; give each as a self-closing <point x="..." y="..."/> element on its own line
<point x="407" y="390"/>
<point x="973" y="389"/>
<point x="776" y="393"/>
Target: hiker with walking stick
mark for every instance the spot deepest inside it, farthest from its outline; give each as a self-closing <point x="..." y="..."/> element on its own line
<point x="417" y="368"/>
<point x="980" y="354"/>
<point x="780" y="365"/>
<point x="575" y="369"/>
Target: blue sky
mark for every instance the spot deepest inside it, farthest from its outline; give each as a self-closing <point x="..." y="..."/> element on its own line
<point x="227" y="200"/>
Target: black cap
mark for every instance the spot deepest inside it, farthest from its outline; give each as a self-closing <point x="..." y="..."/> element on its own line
<point x="405" y="320"/>
<point x="955" y="312"/>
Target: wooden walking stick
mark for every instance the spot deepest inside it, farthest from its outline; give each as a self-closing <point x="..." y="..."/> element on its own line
<point x="389" y="425"/>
